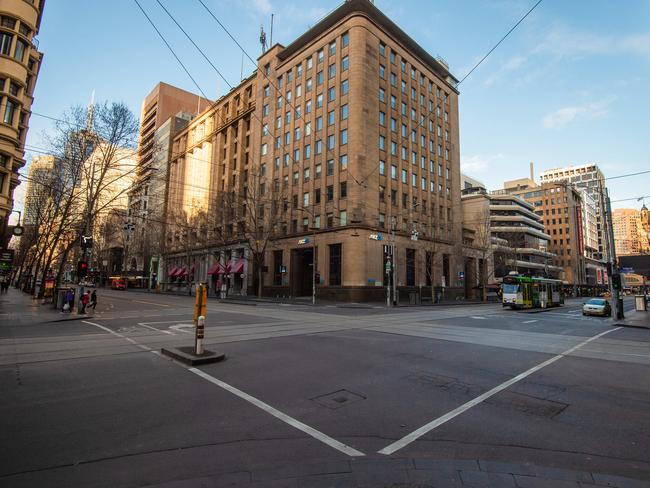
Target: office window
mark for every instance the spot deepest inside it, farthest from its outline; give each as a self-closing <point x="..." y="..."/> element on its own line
<point x="298" y="91"/>
<point x="330" y="167"/>
<point x="335" y="264"/>
<point x="393" y="148"/>
<point x="403" y="108"/>
<point x="330" y="193"/>
<point x="392" y="57"/>
<point x="382" y="71"/>
<point x="331" y="71"/>
<point x="265" y="110"/>
<point x="330" y="142"/>
<point x="393" y="125"/>
<point x="307" y="151"/>
<point x="310" y="63"/>
<point x="404" y="176"/>
<point x="319" y="123"/>
<point x="382" y="168"/>
<point x="382" y="192"/>
<point x="393" y="102"/>
<point x="382" y="95"/>
<point x="403" y="84"/>
<point x="308" y="128"/>
<point x="332" y="49"/>
<point x="414" y="180"/>
<point x="345" y="39"/>
<point x="345" y="112"/>
<point x="404" y="156"/>
<point x="319" y="100"/>
<point x="331" y="94"/>
<point x="393" y="172"/>
<point x="319" y="146"/>
<point x="5" y="43"/>
<point x="305" y="199"/>
<point x="296" y="155"/>
<point x="343" y="189"/>
<point x="330" y="118"/>
<point x="382" y="119"/>
<point x="393" y="79"/>
<point x="265" y="147"/>
<point x="317" y="173"/>
<point x="345" y="63"/>
<point x="319" y="78"/>
<point x="296" y="134"/>
<point x="410" y="267"/>
<point x="299" y="71"/>
<point x="382" y="49"/>
<point x="267" y="90"/>
<point x="345" y="87"/>
<point x="382" y="143"/>
<point x="321" y="56"/>
<point x="343" y="162"/>
<point x="309" y="85"/>
<point x="344" y="137"/>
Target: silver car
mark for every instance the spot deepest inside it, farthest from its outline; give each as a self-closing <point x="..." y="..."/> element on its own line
<point x="597" y="306"/>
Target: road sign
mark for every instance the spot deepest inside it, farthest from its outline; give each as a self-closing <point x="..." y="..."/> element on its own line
<point x="461" y="274"/>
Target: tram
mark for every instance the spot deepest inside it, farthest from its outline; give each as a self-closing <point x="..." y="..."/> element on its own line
<point x="519" y="291"/>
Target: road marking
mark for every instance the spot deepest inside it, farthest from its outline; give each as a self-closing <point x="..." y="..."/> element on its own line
<point x="339" y="446"/>
<point x="154" y="329"/>
<point x="477" y="317"/>
<point x="529" y="321"/>
<point x="182" y="327"/>
<point x="151" y="303"/>
<point x="416" y="434"/>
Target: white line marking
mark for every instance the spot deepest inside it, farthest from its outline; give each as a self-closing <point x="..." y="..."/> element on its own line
<point x="477" y="317"/>
<point x="339" y="446"/>
<point x="406" y="440"/>
<point x="182" y="327"/>
<point x="154" y="329"/>
<point x="151" y="303"/>
<point x="529" y="321"/>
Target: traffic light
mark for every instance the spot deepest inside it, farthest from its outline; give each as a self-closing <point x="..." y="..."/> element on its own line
<point x="616" y="281"/>
<point x="82" y="269"/>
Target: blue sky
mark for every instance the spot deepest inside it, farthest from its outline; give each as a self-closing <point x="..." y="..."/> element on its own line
<point x="571" y="85"/>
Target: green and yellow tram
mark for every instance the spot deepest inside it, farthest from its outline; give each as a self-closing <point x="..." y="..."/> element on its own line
<point x="520" y="291"/>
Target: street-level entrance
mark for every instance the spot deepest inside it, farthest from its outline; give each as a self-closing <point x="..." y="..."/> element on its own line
<point x="302" y="261"/>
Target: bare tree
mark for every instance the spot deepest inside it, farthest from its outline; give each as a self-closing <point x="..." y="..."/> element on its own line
<point x="94" y="153"/>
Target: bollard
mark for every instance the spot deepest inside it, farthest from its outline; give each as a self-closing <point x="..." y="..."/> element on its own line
<point x="200" y="329"/>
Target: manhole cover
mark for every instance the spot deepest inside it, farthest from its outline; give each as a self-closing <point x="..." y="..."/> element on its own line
<point x="338" y="399"/>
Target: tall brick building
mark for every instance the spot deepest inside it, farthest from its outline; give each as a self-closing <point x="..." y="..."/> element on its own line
<point x="349" y="129"/>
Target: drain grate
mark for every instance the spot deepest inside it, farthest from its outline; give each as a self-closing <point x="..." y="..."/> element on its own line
<point x="338" y="399"/>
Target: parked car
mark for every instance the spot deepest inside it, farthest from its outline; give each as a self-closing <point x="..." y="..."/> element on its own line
<point x="597" y="306"/>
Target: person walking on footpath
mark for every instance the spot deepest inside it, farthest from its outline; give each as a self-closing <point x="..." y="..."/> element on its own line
<point x="93" y="300"/>
<point x="69" y="301"/>
<point x="85" y="298"/>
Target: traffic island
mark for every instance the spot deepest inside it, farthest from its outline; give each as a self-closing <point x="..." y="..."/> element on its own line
<point x="188" y="355"/>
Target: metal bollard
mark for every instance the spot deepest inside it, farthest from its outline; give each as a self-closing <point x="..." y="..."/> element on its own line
<point x="200" y="329"/>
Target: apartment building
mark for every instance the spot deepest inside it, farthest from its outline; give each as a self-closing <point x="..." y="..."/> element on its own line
<point x="353" y="128"/>
<point x="165" y="110"/>
<point x="514" y="231"/>
<point x="20" y="62"/>
<point x="560" y="208"/>
<point x="591" y="179"/>
<point x="631" y="231"/>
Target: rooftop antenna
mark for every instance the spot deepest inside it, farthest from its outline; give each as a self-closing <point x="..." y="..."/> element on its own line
<point x="271" y="41"/>
<point x="263" y="39"/>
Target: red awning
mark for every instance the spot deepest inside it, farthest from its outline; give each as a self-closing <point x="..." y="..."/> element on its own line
<point x="173" y="272"/>
<point x="238" y="267"/>
<point x="216" y="269"/>
<point x="182" y="271"/>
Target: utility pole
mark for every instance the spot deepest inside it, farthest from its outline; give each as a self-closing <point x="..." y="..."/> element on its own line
<point x="393" y="224"/>
<point x="612" y="268"/>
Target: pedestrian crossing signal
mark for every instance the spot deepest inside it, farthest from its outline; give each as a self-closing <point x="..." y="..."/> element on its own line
<point x="82" y="269"/>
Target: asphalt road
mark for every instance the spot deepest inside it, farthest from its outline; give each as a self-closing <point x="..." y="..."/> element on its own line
<point x="328" y="396"/>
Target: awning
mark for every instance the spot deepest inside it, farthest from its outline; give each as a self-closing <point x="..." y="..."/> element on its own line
<point x="216" y="269"/>
<point x="238" y="267"/>
<point x="182" y="271"/>
<point x="173" y="272"/>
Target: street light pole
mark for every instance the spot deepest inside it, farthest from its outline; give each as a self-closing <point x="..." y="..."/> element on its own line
<point x="393" y="223"/>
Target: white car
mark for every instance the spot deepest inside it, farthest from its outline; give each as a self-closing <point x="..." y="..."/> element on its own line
<point x="597" y="306"/>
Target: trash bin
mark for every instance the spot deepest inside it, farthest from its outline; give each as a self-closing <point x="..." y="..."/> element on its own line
<point x="640" y="303"/>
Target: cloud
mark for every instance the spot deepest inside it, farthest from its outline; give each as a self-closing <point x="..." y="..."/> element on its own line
<point x="561" y="44"/>
<point x="565" y="115"/>
<point x="263" y="7"/>
<point x="471" y="165"/>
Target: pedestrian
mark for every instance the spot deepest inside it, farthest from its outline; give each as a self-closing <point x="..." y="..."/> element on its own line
<point x="93" y="299"/>
<point x="85" y="298"/>
<point x="69" y="300"/>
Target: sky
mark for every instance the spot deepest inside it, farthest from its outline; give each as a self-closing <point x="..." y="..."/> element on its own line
<point x="570" y="86"/>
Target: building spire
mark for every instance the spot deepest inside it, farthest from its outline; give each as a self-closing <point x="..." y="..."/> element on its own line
<point x="90" y="113"/>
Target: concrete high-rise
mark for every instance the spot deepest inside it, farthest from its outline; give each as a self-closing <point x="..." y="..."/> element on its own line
<point x="20" y="62"/>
